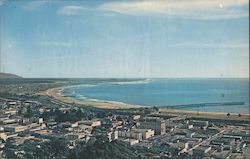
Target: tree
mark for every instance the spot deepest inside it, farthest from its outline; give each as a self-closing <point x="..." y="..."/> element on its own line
<point x="147" y="111"/>
<point x="9" y="149"/>
<point x="103" y="149"/>
<point x="79" y="114"/>
<point x="28" y="113"/>
<point x="156" y="109"/>
<point x="55" y="148"/>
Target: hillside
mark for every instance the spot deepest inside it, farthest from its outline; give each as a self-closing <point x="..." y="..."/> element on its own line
<point x="8" y="75"/>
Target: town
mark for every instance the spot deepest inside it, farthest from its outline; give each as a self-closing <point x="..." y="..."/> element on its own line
<point x="27" y="125"/>
<point x="124" y="79"/>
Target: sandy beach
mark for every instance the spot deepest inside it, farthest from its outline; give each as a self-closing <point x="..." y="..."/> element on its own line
<point x="56" y="93"/>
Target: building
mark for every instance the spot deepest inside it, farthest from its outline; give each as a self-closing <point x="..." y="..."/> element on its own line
<point x="200" y="151"/>
<point x="92" y="123"/>
<point x="131" y="135"/>
<point x="15" y="128"/>
<point x="199" y="123"/>
<point x="112" y="135"/>
<point x="131" y="141"/>
<point x="11" y="103"/>
<point x="75" y="136"/>
<point x="146" y="133"/>
<point x="7" y="121"/>
<point x="190" y="134"/>
<point x="155" y="123"/>
<point x="25" y="120"/>
<point x="136" y="117"/>
<point x="10" y="112"/>
<point x="3" y="136"/>
<point x="115" y="135"/>
<point x="68" y="125"/>
<point x="40" y="120"/>
<point x="86" y="128"/>
<point x="233" y="138"/>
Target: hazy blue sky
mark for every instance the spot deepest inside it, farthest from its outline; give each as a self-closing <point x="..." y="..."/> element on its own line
<point x="168" y="38"/>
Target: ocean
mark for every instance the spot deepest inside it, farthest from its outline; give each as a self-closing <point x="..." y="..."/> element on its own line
<point x="179" y="93"/>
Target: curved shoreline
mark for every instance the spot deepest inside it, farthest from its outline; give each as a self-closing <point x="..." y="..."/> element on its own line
<point x="56" y="93"/>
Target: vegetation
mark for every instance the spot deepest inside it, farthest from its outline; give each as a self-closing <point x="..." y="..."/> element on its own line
<point x="60" y="149"/>
<point x="103" y="149"/>
<point x="30" y="149"/>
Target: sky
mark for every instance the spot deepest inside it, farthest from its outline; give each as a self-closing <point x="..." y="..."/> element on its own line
<point x="132" y="38"/>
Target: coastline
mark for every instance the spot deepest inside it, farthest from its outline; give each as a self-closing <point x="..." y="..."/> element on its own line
<point x="56" y="93"/>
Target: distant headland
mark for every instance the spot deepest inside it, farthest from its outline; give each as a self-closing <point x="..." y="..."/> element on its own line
<point x="8" y="75"/>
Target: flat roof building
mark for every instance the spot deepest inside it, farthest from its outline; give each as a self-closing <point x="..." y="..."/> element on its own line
<point x="15" y="128"/>
<point x="157" y="124"/>
<point x="146" y="133"/>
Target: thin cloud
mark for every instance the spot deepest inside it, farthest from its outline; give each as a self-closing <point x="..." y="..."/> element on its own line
<point x="216" y="46"/>
<point x="1" y="2"/>
<point x="65" y="44"/>
<point x="71" y="10"/>
<point x="33" y="5"/>
<point x="200" y="9"/>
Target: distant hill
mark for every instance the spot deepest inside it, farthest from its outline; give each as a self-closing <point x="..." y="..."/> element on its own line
<point x="8" y="75"/>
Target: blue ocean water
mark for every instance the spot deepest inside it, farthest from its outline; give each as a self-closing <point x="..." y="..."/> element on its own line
<point x="169" y="92"/>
